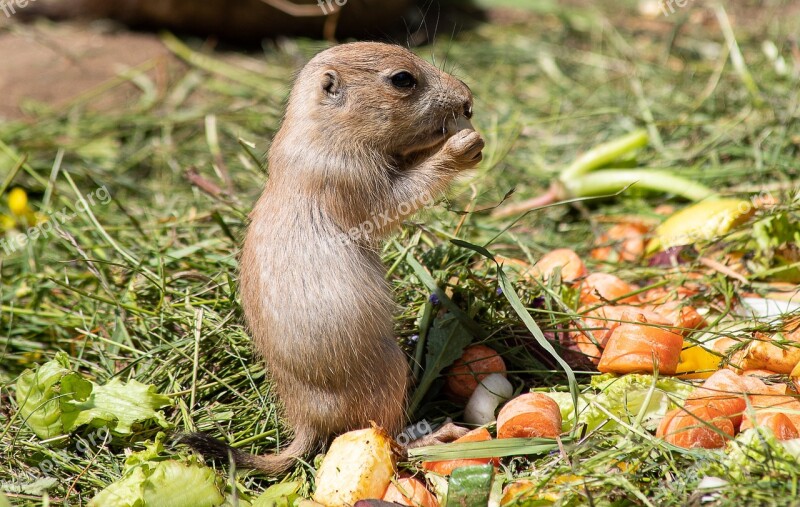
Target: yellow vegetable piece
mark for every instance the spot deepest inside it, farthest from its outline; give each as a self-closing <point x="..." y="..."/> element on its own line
<point x="359" y="466"/>
<point x="18" y="202"/>
<point x="703" y="221"/>
<point x="696" y="358"/>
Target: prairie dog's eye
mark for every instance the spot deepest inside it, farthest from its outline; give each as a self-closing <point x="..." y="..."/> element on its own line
<point x="403" y="79"/>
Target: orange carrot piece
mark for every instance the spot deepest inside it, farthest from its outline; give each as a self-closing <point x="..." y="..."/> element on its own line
<point x="476" y="363"/>
<point x="447" y="467"/>
<point x="780" y="424"/>
<point x="601" y="322"/>
<point x="600" y="287"/>
<point x="665" y="294"/>
<point x="628" y="242"/>
<point x="725" y="391"/>
<point x="701" y="426"/>
<point x="638" y="347"/>
<point x="572" y="267"/>
<point x="529" y="415"/>
<point x="772" y="403"/>
<point x="684" y="318"/>
<point x="411" y="492"/>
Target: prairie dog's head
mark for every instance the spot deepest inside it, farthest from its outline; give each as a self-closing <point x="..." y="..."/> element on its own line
<point x="377" y="100"/>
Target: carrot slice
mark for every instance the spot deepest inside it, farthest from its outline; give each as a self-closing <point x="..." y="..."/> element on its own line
<point x="411" y="492"/>
<point x="572" y="267"/>
<point x="780" y="424"/>
<point x="725" y="391"/>
<point x="600" y="287"/>
<point x="628" y="242"/>
<point x="529" y="415"/>
<point x="684" y="318"/>
<point x="772" y="403"/>
<point x="447" y="467"/>
<point x="639" y="347"/>
<point x="702" y="426"/>
<point x="476" y="363"/>
<point x="600" y="323"/>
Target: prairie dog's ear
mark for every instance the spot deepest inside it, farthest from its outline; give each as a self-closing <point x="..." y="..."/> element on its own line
<point x="331" y="84"/>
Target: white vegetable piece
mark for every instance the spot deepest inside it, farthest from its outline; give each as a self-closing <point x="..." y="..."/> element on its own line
<point x="493" y="390"/>
<point x="359" y="466"/>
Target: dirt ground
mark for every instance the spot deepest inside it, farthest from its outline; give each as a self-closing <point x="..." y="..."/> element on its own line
<point x="53" y="64"/>
<point x="50" y="64"/>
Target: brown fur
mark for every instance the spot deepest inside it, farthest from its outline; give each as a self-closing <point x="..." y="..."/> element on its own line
<point x="352" y="147"/>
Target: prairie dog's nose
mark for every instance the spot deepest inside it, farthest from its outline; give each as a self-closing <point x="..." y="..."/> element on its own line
<point x="466" y="96"/>
<point x="468" y="108"/>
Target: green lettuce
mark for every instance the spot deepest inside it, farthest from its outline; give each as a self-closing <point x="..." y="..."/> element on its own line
<point x="279" y="495"/>
<point x="756" y="451"/>
<point x="53" y="400"/>
<point x="625" y="398"/>
<point x="150" y="481"/>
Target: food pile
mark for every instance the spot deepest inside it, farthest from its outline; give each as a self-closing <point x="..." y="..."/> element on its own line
<point x="693" y="372"/>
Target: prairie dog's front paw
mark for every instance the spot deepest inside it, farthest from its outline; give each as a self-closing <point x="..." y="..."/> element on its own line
<point x="464" y="147"/>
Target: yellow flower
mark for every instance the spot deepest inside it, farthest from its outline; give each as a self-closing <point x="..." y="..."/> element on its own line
<point x="18" y="202"/>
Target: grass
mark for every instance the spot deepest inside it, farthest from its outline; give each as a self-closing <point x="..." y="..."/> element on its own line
<point x="144" y="287"/>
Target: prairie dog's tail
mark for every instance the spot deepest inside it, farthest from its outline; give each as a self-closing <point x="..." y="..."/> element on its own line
<point x="271" y="464"/>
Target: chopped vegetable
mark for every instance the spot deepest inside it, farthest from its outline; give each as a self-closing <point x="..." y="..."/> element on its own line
<point x="778" y="352"/>
<point x="54" y="401"/>
<point x="682" y="317"/>
<point x="477" y="362"/>
<point x="529" y="415"/>
<point x="627" y="243"/>
<point x="599" y="323"/>
<point x="411" y="492"/>
<point x="279" y="495"/>
<point x="564" y="260"/>
<point x="603" y="287"/>
<point x="640" y="347"/>
<point x="447" y="467"/>
<point x="780" y="424"/>
<point x="149" y="480"/>
<point x="702" y="426"/>
<point x="696" y="362"/>
<point x="470" y="486"/>
<point x="359" y="465"/>
<point x="493" y="390"/>
<point x="706" y="220"/>
<point x="630" y="398"/>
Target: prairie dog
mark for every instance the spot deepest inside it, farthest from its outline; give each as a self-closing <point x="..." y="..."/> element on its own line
<point x="370" y="134"/>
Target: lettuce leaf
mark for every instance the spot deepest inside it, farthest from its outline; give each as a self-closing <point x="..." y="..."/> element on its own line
<point x="150" y="481"/>
<point x="279" y="495"/>
<point x="53" y="400"/>
<point x="43" y="393"/>
<point x="624" y="398"/>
